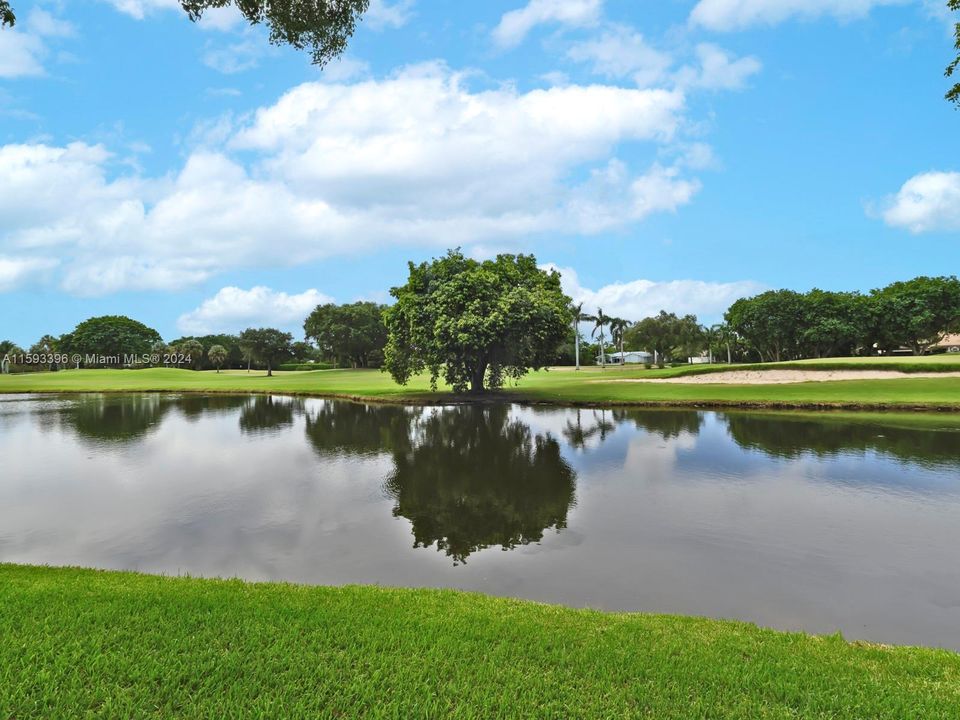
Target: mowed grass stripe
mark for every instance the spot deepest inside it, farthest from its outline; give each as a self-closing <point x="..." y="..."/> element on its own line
<point x="87" y="643"/>
<point x="559" y="385"/>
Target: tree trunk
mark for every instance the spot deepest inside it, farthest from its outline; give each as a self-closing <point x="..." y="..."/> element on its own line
<point x="269" y="368"/>
<point x="476" y="379"/>
<point x="729" y="355"/>
<point x="576" y="342"/>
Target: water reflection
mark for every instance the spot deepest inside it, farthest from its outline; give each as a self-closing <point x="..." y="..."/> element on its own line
<point x="668" y="424"/>
<point x="813" y="522"/>
<point x="359" y="430"/>
<point x="925" y="440"/>
<point x="112" y="419"/>
<point x="470" y="477"/>
<point x="269" y="414"/>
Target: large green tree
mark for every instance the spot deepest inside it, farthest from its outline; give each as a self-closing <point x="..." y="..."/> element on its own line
<point x="110" y="335"/>
<point x="266" y="345"/>
<point x="353" y="334"/>
<point x="193" y="350"/>
<point x="917" y="313"/>
<point x="475" y="322"/>
<point x="832" y="323"/>
<point x="667" y="334"/>
<point x="323" y="26"/>
<point x="770" y="323"/>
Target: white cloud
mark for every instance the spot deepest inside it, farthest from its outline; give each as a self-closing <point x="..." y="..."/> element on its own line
<point x="417" y="159"/>
<point x="22" y="51"/>
<point x="620" y="52"/>
<point x="926" y="202"/>
<point x="344" y="69"/>
<point x="726" y="15"/>
<point x="718" y="69"/>
<point x="233" y="309"/>
<point x="236" y="57"/>
<point x="514" y="25"/>
<point x="225" y="19"/>
<point x="139" y="9"/>
<point x="20" y="54"/>
<point x="45" y="24"/>
<point x="14" y="271"/>
<point x="638" y="299"/>
<point x="382" y="14"/>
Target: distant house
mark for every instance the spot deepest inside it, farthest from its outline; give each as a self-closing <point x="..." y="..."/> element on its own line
<point x="950" y="344"/>
<point x="630" y="357"/>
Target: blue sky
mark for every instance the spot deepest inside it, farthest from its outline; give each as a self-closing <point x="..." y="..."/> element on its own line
<point x="661" y="153"/>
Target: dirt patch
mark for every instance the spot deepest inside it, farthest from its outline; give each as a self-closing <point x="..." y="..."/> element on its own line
<point x="785" y="377"/>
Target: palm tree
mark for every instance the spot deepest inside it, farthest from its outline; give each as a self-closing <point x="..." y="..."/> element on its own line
<point x="217" y="355"/>
<point x="618" y="327"/>
<point x="578" y="317"/>
<point x="600" y="321"/>
<point x="724" y="336"/>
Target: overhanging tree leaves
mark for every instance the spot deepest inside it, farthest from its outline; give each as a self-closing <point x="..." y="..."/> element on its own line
<point x="324" y="26"/>
<point x="953" y="94"/>
<point x="475" y="322"/>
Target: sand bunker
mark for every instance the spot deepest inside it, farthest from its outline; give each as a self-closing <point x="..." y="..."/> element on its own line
<point x="785" y="377"/>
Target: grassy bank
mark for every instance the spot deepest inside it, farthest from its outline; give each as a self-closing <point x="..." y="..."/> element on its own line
<point x="559" y="385"/>
<point x="85" y="643"/>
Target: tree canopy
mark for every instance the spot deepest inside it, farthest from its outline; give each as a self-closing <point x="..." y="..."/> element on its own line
<point x="109" y="335"/>
<point x="787" y="325"/>
<point x="217" y="355"/>
<point x="352" y="334"/>
<point x="667" y="334"/>
<point x="917" y="313"/>
<point x="475" y="322"/>
<point x="266" y="345"/>
<point x="323" y="26"/>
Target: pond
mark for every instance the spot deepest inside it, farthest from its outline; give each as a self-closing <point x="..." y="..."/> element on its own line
<point x="793" y="521"/>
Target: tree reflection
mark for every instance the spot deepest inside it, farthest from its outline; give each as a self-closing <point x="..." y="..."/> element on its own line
<point x="118" y="419"/>
<point x="668" y="424"/>
<point x="472" y="478"/>
<point x="193" y="407"/>
<point x="587" y="425"/>
<point x="268" y="414"/>
<point x="337" y="427"/>
<point x="915" y="440"/>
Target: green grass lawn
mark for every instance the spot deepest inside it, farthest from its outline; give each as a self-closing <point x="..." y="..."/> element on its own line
<point x="83" y="643"/>
<point x="559" y="385"/>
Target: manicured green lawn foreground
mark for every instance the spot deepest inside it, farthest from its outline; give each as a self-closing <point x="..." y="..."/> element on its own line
<point x="557" y="385"/>
<point x="87" y="643"/>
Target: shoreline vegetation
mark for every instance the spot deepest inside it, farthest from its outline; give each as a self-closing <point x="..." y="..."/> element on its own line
<point x="90" y="642"/>
<point x="591" y="386"/>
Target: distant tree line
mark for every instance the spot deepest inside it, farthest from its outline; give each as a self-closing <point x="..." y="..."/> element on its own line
<point x="477" y="324"/>
<point x="787" y="325"/>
